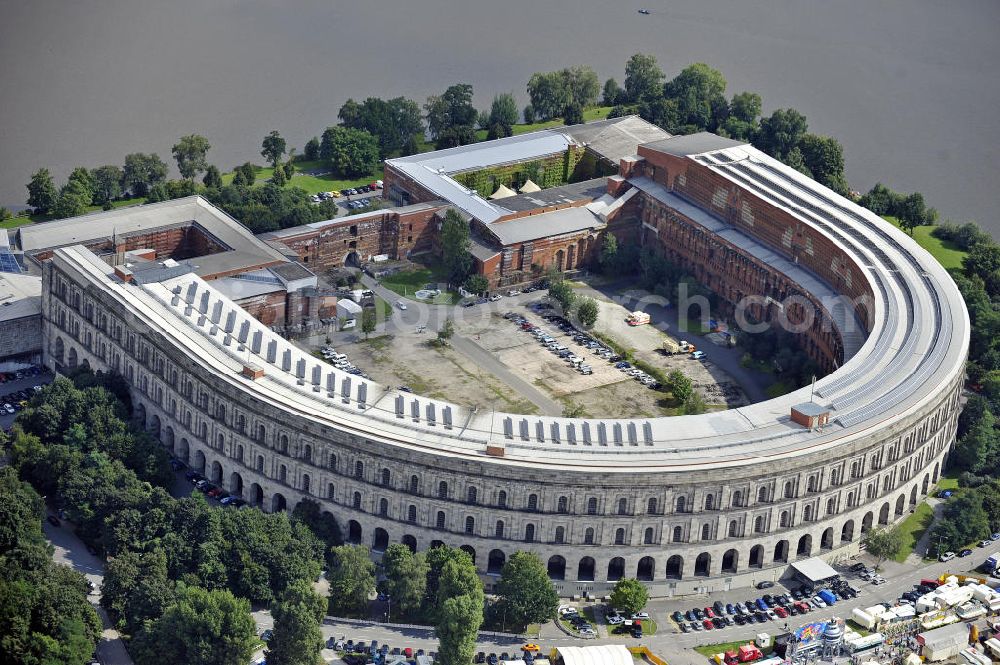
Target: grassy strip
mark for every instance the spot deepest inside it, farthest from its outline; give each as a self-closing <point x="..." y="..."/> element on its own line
<point x="628" y="355"/>
<point x="312" y="184"/>
<point x="948" y="254"/>
<point x="405" y="283"/>
<point x="948" y="481"/>
<point x="912" y="529"/>
<point x="777" y="389"/>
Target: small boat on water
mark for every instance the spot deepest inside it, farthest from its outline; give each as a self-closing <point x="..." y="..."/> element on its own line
<point x="643" y="11"/>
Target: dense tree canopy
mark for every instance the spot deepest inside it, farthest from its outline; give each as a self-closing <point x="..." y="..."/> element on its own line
<point x="451" y="117"/>
<point x="459" y="611"/>
<point x="44" y="613"/>
<point x="629" y="595"/>
<point x="107" y="184"/>
<point x="406" y="578"/>
<point x="42" y="192"/>
<point x="643" y="78"/>
<point x="200" y="627"/>
<point x="526" y="591"/>
<point x="352" y="152"/>
<point x="392" y="122"/>
<point x="455" y="247"/>
<point x="189" y="153"/>
<point x="351" y="574"/>
<point x="297" y="638"/>
<point x="142" y="172"/>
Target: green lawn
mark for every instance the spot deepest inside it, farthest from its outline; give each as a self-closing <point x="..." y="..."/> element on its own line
<point x="946" y="253"/>
<point x="405" y="283"/>
<point x="948" y="481"/>
<point x="310" y="183"/>
<point x="589" y="115"/>
<point x="912" y="529"/>
<point x="23" y="221"/>
<point x="14" y="222"/>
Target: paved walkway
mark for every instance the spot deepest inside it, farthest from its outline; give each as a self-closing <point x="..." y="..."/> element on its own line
<point x="494" y="366"/>
<point x="70" y="550"/>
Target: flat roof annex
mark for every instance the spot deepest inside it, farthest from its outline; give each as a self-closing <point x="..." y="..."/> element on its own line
<point x="612" y="139"/>
<point x="245" y="250"/>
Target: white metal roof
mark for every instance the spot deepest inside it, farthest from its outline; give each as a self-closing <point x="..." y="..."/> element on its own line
<point x="917" y="347"/>
<point x="814" y="569"/>
<point x="603" y="654"/>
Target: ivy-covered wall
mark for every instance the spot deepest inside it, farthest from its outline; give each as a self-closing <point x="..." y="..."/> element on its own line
<point x="549" y="172"/>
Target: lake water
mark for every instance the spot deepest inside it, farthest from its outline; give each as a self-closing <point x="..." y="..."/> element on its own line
<point x="908" y="86"/>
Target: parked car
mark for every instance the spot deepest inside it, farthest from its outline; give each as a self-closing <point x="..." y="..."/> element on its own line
<point x="947" y="556"/>
<point x="766" y="584"/>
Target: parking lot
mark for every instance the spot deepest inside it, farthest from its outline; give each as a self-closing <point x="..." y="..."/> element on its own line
<point x="546" y="351"/>
<point x="18" y="387"/>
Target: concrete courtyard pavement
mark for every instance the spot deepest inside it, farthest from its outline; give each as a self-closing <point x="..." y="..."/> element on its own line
<point x="71" y="551"/>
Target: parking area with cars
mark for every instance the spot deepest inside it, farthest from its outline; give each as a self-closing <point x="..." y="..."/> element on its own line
<point x="779" y="607"/>
<point x="343" y="198"/>
<point x="17" y="388"/>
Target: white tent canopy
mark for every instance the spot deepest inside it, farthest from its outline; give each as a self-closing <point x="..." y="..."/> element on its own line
<point x="503" y="191"/>
<point x="605" y="654"/>
<point x="814" y="569"/>
<point x="529" y="187"/>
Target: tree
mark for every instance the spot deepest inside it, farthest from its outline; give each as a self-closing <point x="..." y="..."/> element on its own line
<point x="573" y="114"/>
<point x="643" y="78"/>
<point x="529" y="114"/>
<point x="549" y="94"/>
<point x="312" y="149"/>
<point x="289" y="166"/>
<point x="212" y="179"/>
<point x="455" y="247"/>
<point x="586" y="312"/>
<point x="368" y="321"/>
<point x="201" y="628"/>
<point x="824" y="157"/>
<point x="73" y="200"/>
<point x="609" y="253"/>
<point x="244" y="175"/>
<point x="190" y="152"/>
<point x="526" y="591"/>
<point x="782" y="131"/>
<point x="912" y="212"/>
<point x="107" y="184"/>
<point x="392" y="122"/>
<point x="477" y="284"/>
<point x="882" y="543"/>
<point x="983" y="261"/>
<point x="42" y="193"/>
<point x="352" y="152"/>
<point x="582" y="84"/>
<point x="142" y="172"/>
<point x="679" y="386"/>
<point x="879" y="199"/>
<point x="273" y="148"/>
<point x="297" y="638"/>
<point x="406" y="578"/>
<point x="699" y="91"/>
<point x="562" y="293"/>
<point x="694" y="404"/>
<point x="612" y="93"/>
<point x="451" y="117"/>
<point x="351" y="574"/>
<point x="746" y="107"/>
<point x="629" y="595"/>
<point x="460" y="611"/>
<point x="447" y="332"/>
<point x="503" y="113"/>
<point x="82" y="176"/>
<point x="278" y="177"/>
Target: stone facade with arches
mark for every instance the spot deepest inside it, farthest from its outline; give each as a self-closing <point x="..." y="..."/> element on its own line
<point x="687" y="504"/>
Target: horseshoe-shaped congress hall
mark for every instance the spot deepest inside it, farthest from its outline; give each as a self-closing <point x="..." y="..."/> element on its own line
<point x="687" y="504"/>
